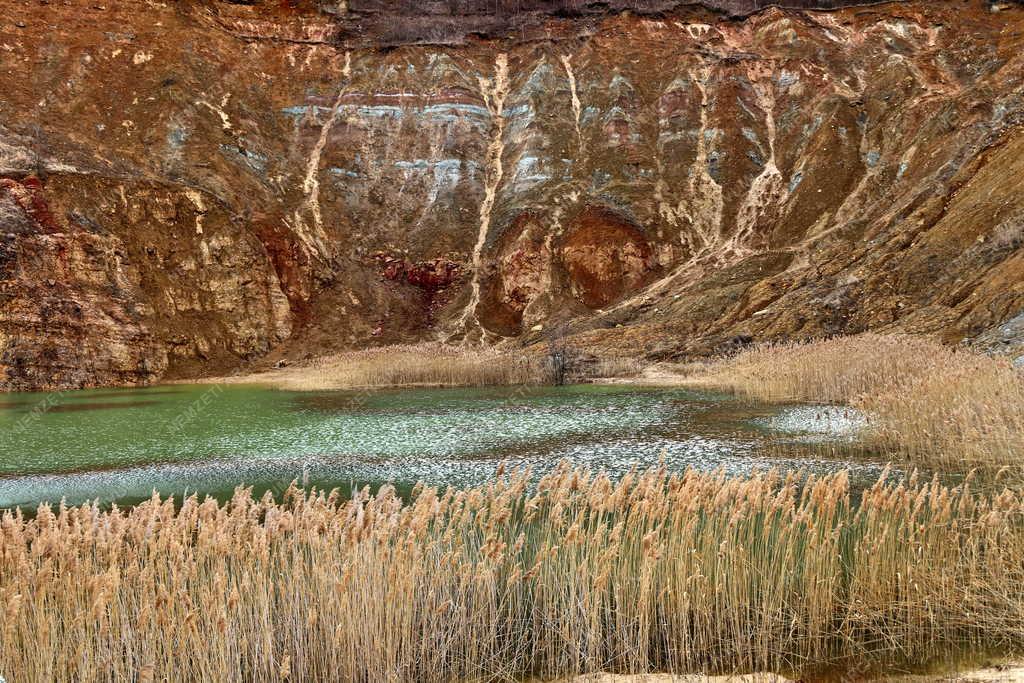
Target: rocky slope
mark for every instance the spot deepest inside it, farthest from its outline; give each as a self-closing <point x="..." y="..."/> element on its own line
<point x="191" y="187"/>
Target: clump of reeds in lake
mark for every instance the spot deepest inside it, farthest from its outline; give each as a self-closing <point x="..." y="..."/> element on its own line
<point x="657" y="572"/>
<point x="424" y="364"/>
<point x="441" y="365"/>
<point x="931" y="404"/>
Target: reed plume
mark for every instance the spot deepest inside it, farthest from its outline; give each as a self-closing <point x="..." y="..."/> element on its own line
<point x="693" y="572"/>
<point x="928" y="404"/>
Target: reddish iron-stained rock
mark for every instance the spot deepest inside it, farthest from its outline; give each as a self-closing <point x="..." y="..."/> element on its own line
<point x="291" y="262"/>
<point x="28" y="193"/>
<point x="521" y="274"/>
<point x="606" y="257"/>
<point x="432" y="276"/>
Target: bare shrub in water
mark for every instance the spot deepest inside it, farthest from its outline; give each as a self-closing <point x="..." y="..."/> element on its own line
<point x="933" y="405"/>
<point x="690" y="573"/>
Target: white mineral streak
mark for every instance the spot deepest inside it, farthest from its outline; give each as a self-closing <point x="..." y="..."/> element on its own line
<point x="704" y="209"/>
<point x="577" y="109"/>
<point x="494" y="91"/>
<point x="316" y="241"/>
<point x="767" y="190"/>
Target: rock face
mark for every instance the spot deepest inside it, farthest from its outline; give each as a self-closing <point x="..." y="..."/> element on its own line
<point x="604" y="257"/>
<point x="189" y="188"/>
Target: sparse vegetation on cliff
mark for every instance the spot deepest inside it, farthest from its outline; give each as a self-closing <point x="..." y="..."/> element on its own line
<point x="930" y="404"/>
<point x="689" y="573"/>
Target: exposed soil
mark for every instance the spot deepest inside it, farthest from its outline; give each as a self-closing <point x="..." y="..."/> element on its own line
<point x="194" y="188"/>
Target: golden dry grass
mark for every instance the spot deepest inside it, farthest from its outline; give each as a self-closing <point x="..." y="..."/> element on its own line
<point x="688" y="573"/>
<point x="929" y="404"/>
<point x="835" y="370"/>
<point x="611" y="367"/>
<point x="436" y="365"/>
<point x="424" y="364"/>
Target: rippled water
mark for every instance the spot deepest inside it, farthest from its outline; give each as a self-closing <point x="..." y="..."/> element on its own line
<point x="121" y="445"/>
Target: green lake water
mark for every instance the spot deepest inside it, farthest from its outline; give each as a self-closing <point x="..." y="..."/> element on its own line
<point x="120" y="445"/>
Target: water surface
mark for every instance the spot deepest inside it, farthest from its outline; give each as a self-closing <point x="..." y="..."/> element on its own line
<point x="120" y="445"/>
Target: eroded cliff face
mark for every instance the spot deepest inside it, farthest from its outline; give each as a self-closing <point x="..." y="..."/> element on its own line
<point x="187" y="188"/>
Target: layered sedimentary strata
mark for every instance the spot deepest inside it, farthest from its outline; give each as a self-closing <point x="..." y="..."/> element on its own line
<point x="188" y="188"/>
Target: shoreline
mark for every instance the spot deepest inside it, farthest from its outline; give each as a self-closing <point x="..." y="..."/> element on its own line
<point x="309" y="377"/>
<point x="1009" y="672"/>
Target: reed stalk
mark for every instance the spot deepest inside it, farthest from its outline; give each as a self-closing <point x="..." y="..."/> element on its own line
<point x="417" y="365"/>
<point x="695" y="572"/>
<point x="928" y="404"/>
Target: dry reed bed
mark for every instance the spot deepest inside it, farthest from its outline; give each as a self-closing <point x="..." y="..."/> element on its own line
<point x="687" y="573"/>
<point x="416" y="365"/>
<point x="435" y="364"/>
<point x="931" y="404"/>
